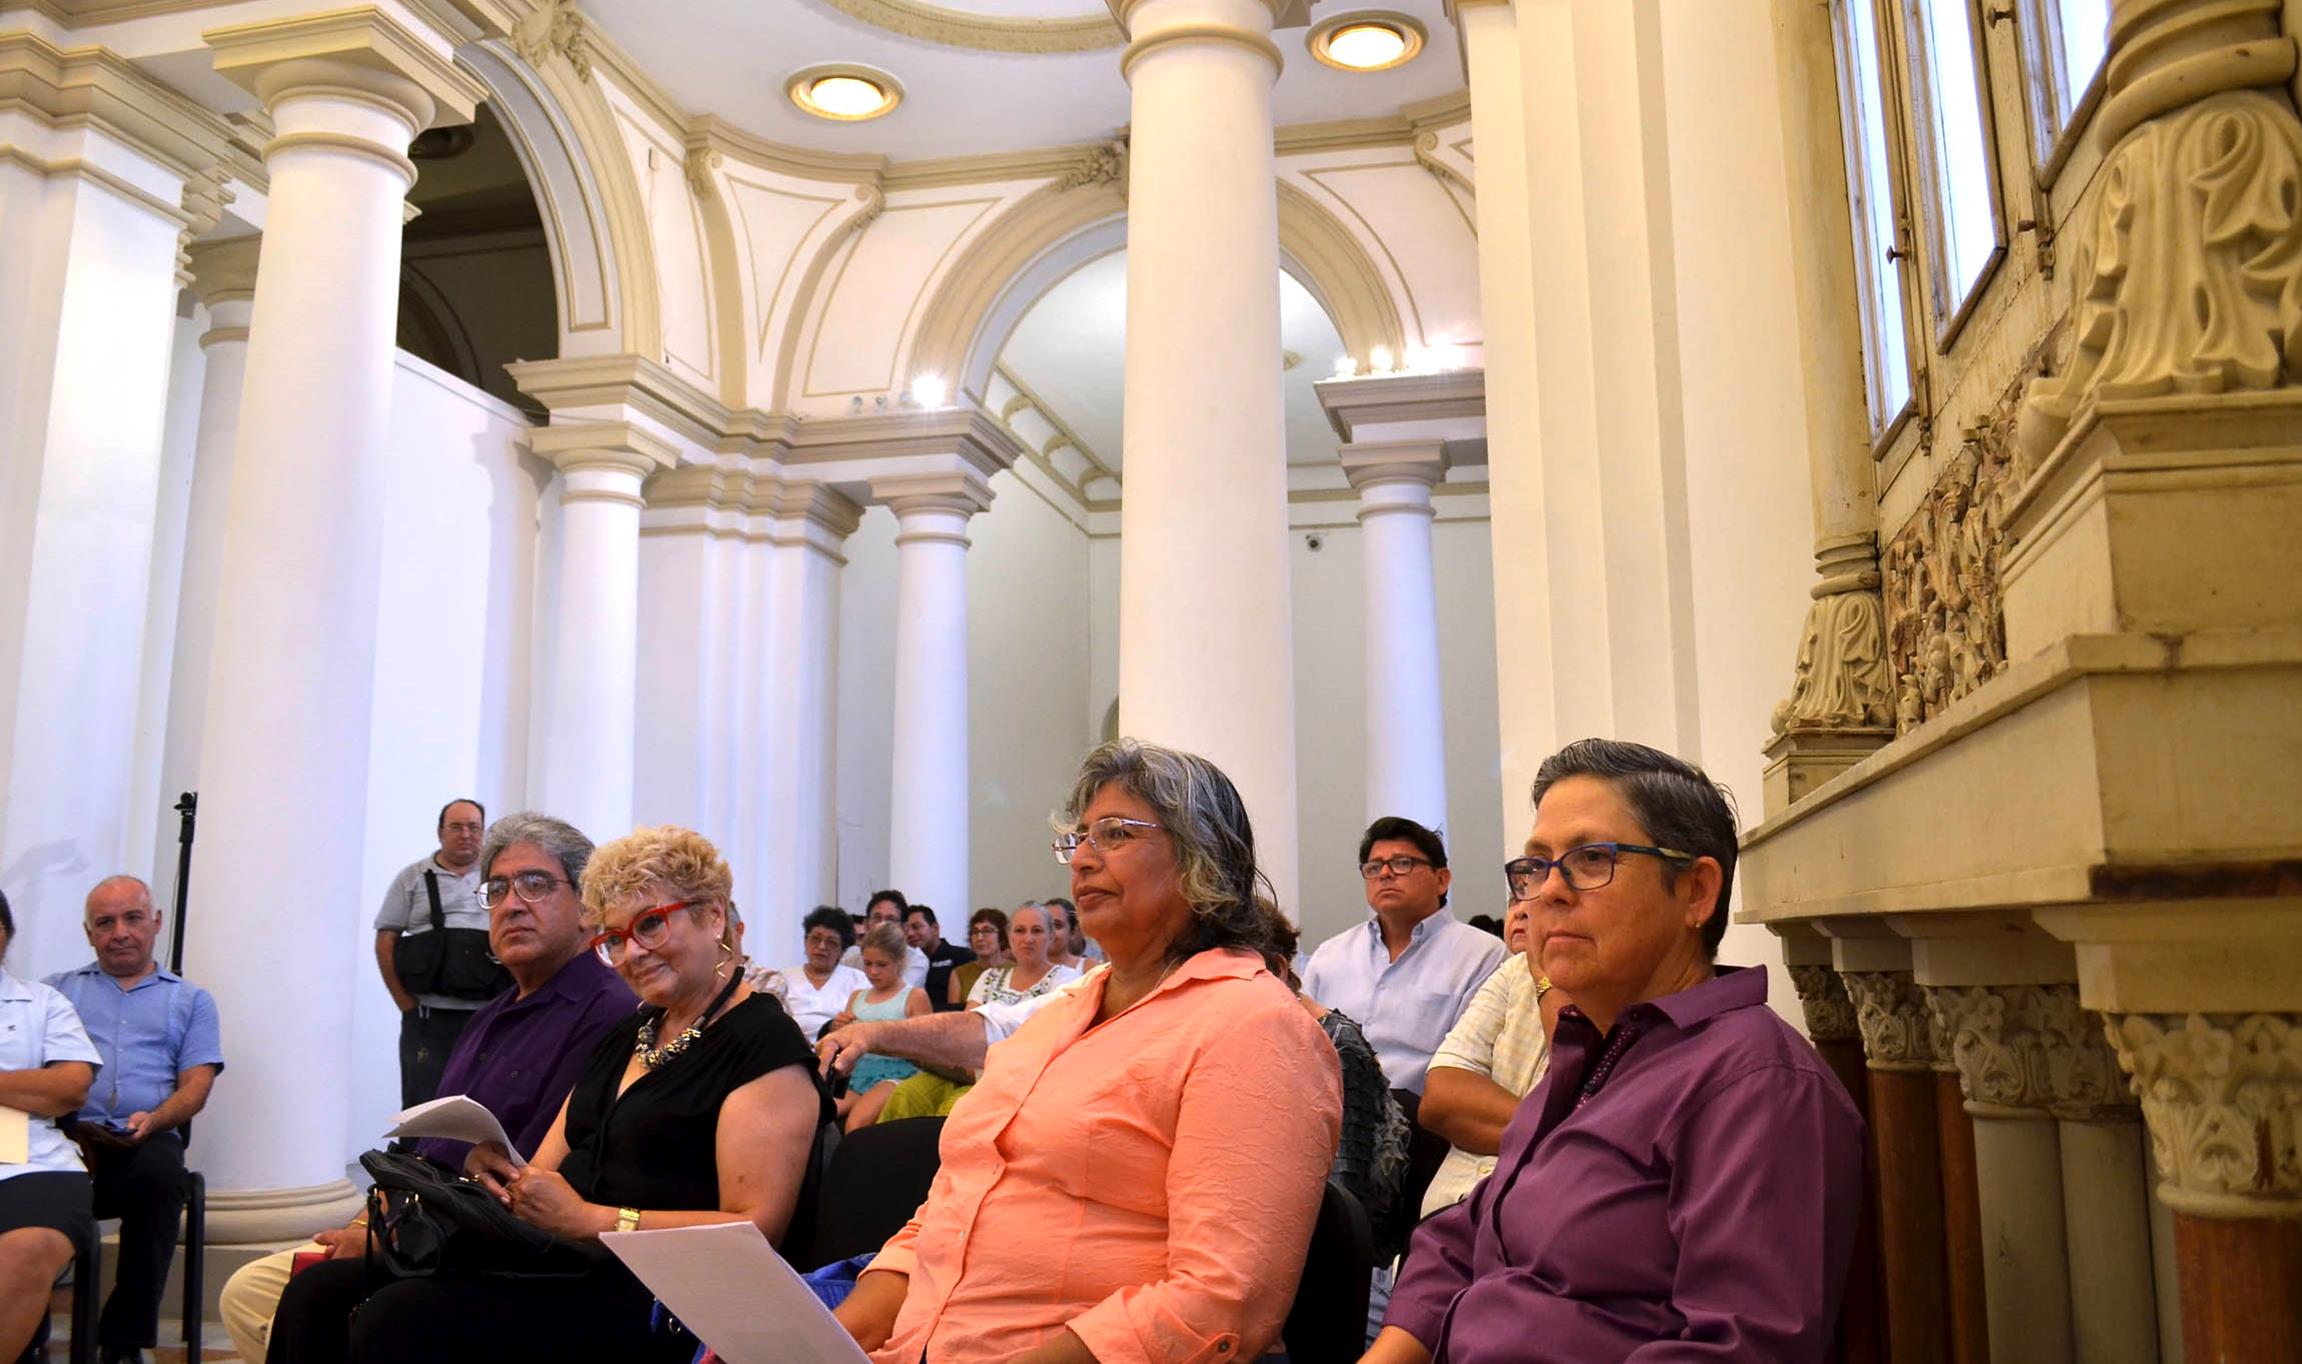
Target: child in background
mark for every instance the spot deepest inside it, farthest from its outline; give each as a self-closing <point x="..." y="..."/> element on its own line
<point x="888" y="998"/>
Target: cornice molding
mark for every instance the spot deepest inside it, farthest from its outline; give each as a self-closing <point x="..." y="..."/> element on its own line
<point x="91" y="85"/>
<point x="607" y="445"/>
<point x="709" y="131"/>
<point x="361" y="48"/>
<point x="1370" y="463"/>
<point x="1380" y="399"/>
<point x="627" y="381"/>
<point x="971" y="433"/>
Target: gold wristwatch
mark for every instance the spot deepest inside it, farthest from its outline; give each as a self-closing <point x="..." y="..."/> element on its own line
<point x="1542" y="987"/>
<point x="627" y="1219"/>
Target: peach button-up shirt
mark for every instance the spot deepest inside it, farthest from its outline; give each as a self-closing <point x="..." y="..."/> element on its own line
<point x="1149" y="1183"/>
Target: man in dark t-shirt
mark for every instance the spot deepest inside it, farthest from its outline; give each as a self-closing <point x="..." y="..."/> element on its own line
<point x="924" y="934"/>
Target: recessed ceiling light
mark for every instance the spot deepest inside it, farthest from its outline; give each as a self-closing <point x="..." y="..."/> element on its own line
<point x="1367" y="40"/>
<point x="844" y="93"/>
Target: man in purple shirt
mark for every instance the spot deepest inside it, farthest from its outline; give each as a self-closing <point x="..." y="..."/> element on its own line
<point x="1683" y="1184"/>
<point x="520" y="1053"/>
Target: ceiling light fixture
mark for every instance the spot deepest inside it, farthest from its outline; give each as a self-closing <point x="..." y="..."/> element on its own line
<point x="1367" y="40"/>
<point x="844" y="92"/>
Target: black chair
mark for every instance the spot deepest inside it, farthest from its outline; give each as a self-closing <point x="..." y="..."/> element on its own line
<point x="876" y="1180"/>
<point x="1426" y="1151"/>
<point x="1329" y="1318"/>
<point x="87" y="1296"/>
<point x="195" y="1249"/>
<point x="88" y="1275"/>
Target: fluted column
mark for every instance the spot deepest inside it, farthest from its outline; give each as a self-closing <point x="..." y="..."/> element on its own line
<point x="289" y="702"/>
<point x="809" y="530"/>
<point x="929" y="796"/>
<point x="1206" y="658"/>
<point x="587" y="731"/>
<point x="1406" y="729"/>
<point x="224" y="282"/>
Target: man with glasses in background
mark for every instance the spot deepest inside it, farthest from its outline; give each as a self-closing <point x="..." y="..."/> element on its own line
<point x="519" y="1054"/>
<point x="1408" y="971"/>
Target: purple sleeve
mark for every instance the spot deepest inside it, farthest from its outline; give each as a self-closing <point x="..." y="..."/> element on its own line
<point x="1438" y="1266"/>
<point x="1766" y="1179"/>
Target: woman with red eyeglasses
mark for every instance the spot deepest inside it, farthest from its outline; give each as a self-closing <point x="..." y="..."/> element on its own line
<point x="702" y="1108"/>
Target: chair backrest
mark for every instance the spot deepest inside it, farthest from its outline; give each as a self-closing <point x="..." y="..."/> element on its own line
<point x="876" y="1180"/>
<point x="1426" y="1151"/>
<point x="1329" y="1317"/>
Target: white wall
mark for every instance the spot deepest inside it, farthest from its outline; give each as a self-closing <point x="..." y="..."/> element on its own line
<point x="453" y="651"/>
<point x="1330" y="734"/>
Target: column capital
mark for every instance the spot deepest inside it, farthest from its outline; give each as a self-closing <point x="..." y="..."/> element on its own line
<point x="1898" y="1032"/>
<point x="111" y="122"/>
<point x="1830" y="1012"/>
<point x="2222" y="1094"/>
<point x="360" y="51"/>
<point x="2028" y="1050"/>
<point x="1372" y="462"/>
<point x="959" y="492"/>
<point x="225" y="271"/>
<point x="602" y="458"/>
<point x="815" y="514"/>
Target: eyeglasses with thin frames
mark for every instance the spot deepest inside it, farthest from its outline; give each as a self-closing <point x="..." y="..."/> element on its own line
<point x="649" y="928"/>
<point x="1587" y="867"/>
<point x="1104" y="835"/>
<point x="531" y="886"/>
<point x="1397" y="866"/>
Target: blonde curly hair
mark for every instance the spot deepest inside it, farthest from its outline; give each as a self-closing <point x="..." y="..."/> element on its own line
<point x="679" y="858"/>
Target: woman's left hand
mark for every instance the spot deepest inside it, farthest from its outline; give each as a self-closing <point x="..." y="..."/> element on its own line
<point x="542" y="1199"/>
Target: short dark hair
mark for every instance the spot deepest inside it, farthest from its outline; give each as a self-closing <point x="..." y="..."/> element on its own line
<point x="995" y="917"/>
<point x="923" y="912"/>
<point x="833" y="918"/>
<point x="1070" y="910"/>
<point x="1400" y="829"/>
<point x="7" y="916"/>
<point x="901" y="905"/>
<point x="460" y="800"/>
<point x="1674" y="801"/>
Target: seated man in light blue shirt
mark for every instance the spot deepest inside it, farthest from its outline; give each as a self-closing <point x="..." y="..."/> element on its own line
<point x="1406" y="974"/>
<point x="157" y="1036"/>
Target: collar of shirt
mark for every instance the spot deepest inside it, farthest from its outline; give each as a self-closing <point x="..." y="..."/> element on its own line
<point x="159" y="973"/>
<point x="1731" y="987"/>
<point x="12" y="990"/>
<point x="1213" y="964"/>
<point x="1424" y="927"/>
<point x="470" y="873"/>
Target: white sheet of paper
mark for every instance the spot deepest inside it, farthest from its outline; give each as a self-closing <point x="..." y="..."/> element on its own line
<point x="458" y="1117"/>
<point x="727" y="1285"/>
<point x="15" y="1136"/>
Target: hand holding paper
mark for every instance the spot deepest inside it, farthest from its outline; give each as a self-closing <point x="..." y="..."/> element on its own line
<point x="457" y="1117"/>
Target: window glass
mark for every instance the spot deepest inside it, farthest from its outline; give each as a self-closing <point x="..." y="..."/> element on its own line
<point x="1886" y="349"/>
<point x="2083" y="35"/>
<point x="1960" y="217"/>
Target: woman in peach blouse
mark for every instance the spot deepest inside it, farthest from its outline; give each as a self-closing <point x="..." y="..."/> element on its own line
<point x="1137" y="1174"/>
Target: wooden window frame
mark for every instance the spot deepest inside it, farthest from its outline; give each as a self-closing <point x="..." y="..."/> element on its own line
<point x="1951" y="313"/>
<point x="1877" y="300"/>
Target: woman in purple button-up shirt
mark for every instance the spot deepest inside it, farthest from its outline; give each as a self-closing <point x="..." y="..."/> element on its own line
<point x="1683" y="1184"/>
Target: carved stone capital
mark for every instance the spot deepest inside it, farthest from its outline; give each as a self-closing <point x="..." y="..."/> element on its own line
<point x="2027" y="1047"/>
<point x="554" y="26"/>
<point x="1829" y="1009"/>
<point x="1104" y="165"/>
<point x="1891" y="1014"/>
<point x="1841" y="680"/>
<point x="2222" y="1094"/>
<point x="2189" y="262"/>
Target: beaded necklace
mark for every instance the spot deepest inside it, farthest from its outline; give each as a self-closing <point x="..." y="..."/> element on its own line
<point x="651" y="1056"/>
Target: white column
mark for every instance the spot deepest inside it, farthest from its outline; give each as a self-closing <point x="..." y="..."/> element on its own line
<point x="224" y="280"/>
<point x="286" y="738"/>
<point x="587" y="729"/>
<point x="89" y="212"/>
<point x="799" y="720"/>
<point x="1206" y="653"/>
<point x="1406" y="728"/>
<point x="929" y="797"/>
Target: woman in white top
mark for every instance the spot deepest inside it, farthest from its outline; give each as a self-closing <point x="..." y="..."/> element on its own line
<point x="46" y="1066"/>
<point x="1029" y="934"/>
<point x="818" y="991"/>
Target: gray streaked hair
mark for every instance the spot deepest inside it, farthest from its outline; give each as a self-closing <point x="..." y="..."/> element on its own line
<point x="1206" y="819"/>
<point x="564" y="841"/>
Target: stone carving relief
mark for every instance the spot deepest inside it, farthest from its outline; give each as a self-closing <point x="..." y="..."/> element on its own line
<point x="1841" y="680"/>
<point x="1104" y="165"/>
<point x="2028" y="1046"/>
<point x="1945" y="628"/>
<point x="1890" y="1012"/>
<point x="1829" y="1009"/>
<point x="2190" y="267"/>
<point x="2223" y="1096"/>
<point x="701" y="162"/>
<point x="554" y="26"/>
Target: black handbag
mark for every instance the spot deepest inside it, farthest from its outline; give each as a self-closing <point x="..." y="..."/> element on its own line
<point x="424" y="1221"/>
<point x="456" y="962"/>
